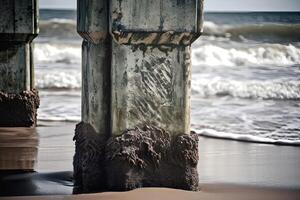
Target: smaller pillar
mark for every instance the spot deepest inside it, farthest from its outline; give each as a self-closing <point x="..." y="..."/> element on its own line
<point x="18" y="98"/>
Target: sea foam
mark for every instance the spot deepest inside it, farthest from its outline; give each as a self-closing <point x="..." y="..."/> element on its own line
<point x="244" y="137"/>
<point x="57" y="53"/>
<point x="253" y="89"/>
<point x="263" y="54"/>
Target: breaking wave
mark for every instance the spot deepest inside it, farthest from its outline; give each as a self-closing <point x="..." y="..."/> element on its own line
<point x="263" y="54"/>
<point x="55" y="79"/>
<point x="57" y="53"/>
<point x="207" y="54"/>
<point x="277" y="90"/>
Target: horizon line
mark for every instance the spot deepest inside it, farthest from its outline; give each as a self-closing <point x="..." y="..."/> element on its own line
<point x="215" y="11"/>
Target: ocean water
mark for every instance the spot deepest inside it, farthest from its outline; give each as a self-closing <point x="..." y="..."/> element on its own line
<point x="245" y="77"/>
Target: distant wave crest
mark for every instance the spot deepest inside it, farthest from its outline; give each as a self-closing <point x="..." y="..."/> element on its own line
<point x="65" y="28"/>
<point x="58" y="28"/>
<point x="57" y="53"/>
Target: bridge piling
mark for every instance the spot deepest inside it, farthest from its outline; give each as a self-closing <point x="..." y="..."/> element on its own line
<point x="135" y="129"/>
<point x="18" y="98"/>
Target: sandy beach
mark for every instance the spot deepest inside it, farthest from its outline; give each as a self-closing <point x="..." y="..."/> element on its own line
<point x="115" y="65"/>
<point x="217" y="192"/>
<point x="227" y="169"/>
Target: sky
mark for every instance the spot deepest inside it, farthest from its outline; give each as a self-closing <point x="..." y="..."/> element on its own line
<point x="210" y="5"/>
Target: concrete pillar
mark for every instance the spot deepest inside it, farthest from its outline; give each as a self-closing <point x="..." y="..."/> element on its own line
<point x="135" y="129"/>
<point x="92" y="133"/>
<point x="18" y="98"/>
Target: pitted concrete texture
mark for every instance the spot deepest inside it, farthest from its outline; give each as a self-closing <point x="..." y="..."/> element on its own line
<point x="156" y="22"/>
<point x="150" y="85"/>
<point x="19" y="20"/>
<point x="92" y="20"/>
<point x="15" y="67"/>
<point x="19" y="110"/>
<point x="146" y="156"/>
<point x="96" y="86"/>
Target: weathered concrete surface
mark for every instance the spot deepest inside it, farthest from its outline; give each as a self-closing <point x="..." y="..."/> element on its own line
<point x="91" y="134"/>
<point x="18" y="20"/>
<point x="18" y="98"/>
<point x="96" y="85"/>
<point x="15" y="67"/>
<point x="19" y="110"/>
<point x="151" y="85"/>
<point x="92" y="19"/>
<point x="18" y="27"/>
<point x="156" y="21"/>
<point x="32" y="71"/>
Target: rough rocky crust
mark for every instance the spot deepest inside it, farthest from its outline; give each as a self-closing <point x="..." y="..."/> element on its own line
<point x="19" y="110"/>
<point x="88" y="162"/>
<point x="145" y="156"/>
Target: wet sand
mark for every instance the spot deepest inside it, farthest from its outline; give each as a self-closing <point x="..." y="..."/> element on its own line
<point x="234" y="162"/>
<point x="227" y="169"/>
